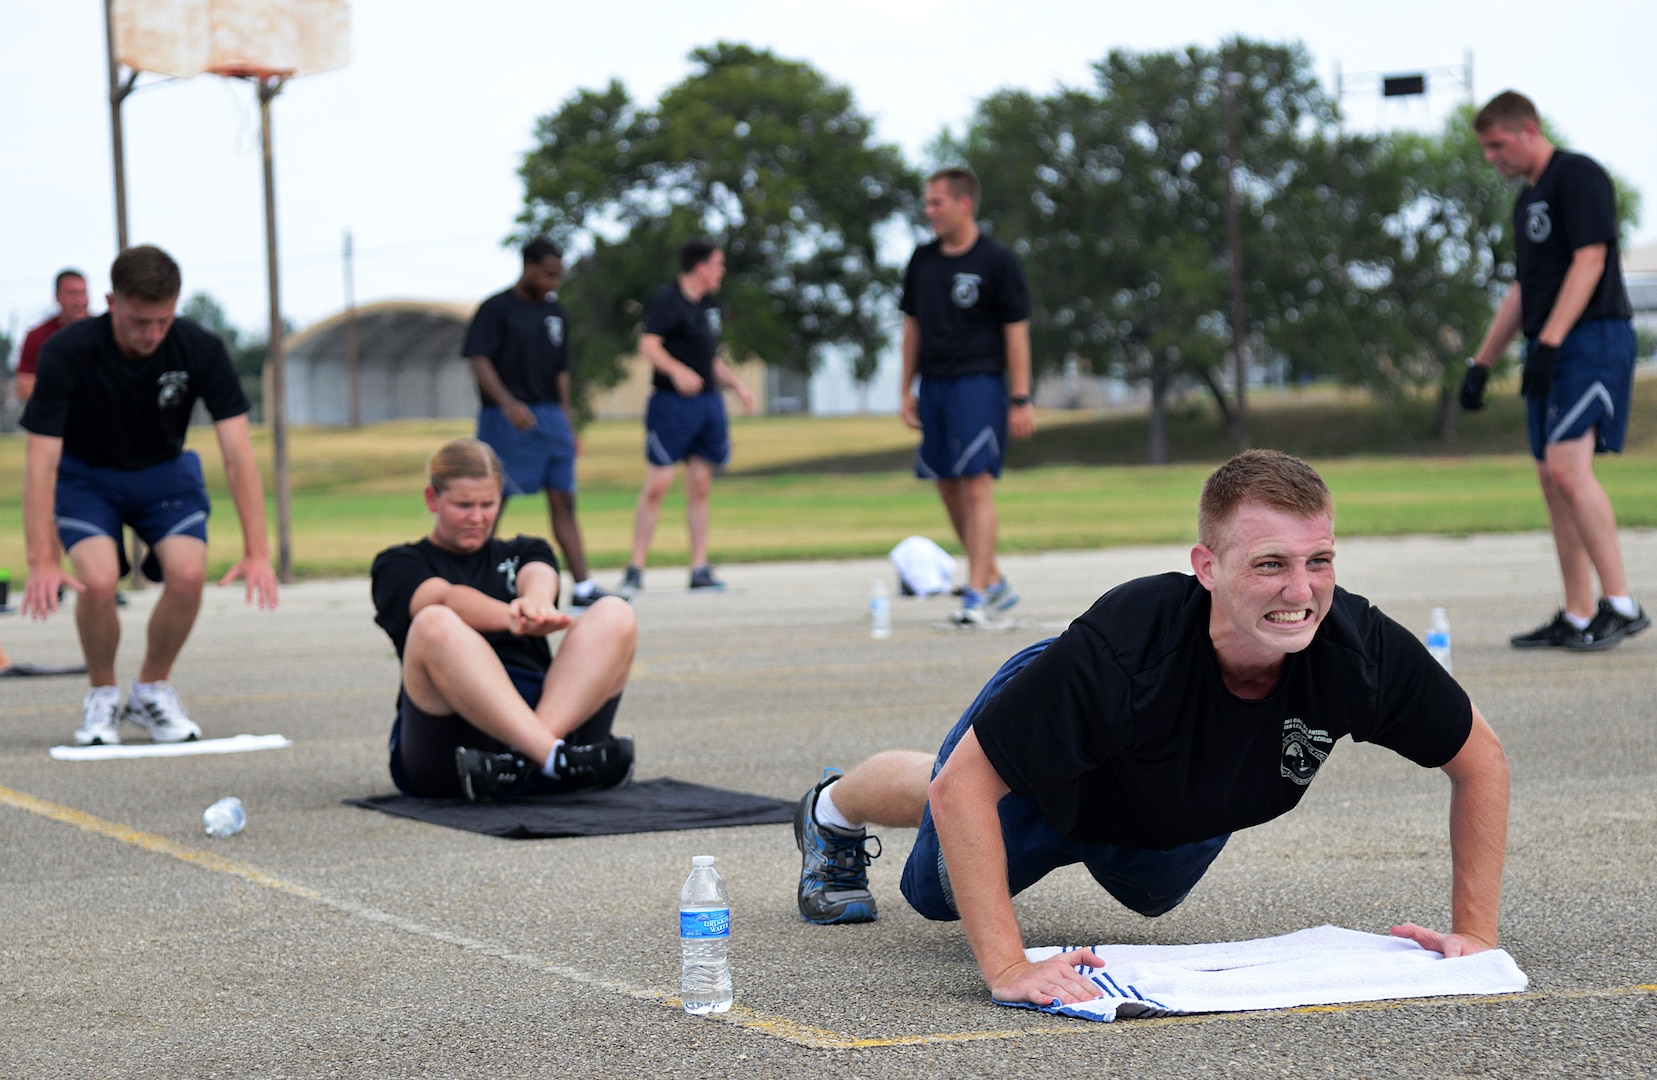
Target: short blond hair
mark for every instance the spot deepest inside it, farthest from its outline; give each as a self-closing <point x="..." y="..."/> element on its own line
<point x="462" y="459"/>
<point x="1269" y="478"/>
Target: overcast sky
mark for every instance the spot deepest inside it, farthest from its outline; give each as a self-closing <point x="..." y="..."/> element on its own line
<point x="414" y="146"/>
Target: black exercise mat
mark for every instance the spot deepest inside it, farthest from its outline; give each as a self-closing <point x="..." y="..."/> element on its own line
<point x="643" y="806"/>
<point x="25" y="671"/>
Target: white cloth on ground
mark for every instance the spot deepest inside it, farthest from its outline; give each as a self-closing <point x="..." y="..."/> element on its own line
<point x="1324" y="965"/>
<point x="924" y="568"/>
<point x="235" y="744"/>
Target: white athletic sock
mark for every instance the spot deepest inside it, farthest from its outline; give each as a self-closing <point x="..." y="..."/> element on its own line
<point x="551" y="767"/>
<point x="829" y="814"/>
<point x="1624" y="606"/>
<point x="141" y="689"/>
<point x="1577" y="621"/>
<point x="584" y="588"/>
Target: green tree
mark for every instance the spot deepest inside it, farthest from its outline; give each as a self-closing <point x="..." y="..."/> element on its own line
<point x="763" y="153"/>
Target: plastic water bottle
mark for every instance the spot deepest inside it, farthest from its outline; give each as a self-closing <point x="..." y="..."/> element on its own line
<point x="1438" y="637"/>
<point x="224" y="818"/>
<point x="880" y="611"/>
<point x="704" y="930"/>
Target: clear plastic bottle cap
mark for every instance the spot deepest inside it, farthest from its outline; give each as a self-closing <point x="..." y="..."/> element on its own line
<point x="702" y="860"/>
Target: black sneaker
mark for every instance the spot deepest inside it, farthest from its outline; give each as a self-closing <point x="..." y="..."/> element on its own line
<point x="484" y="774"/>
<point x="702" y="578"/>
<point x="1608" y="627"/>
<point x="1551" y="634"/>
<point x="581" y="603"/>
<point x="604" y="764"/>
<point x="632" y="583"/>
<point x="834" y="876"/>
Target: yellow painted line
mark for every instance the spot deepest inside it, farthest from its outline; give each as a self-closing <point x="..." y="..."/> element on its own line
<point x="777" y="1027"/>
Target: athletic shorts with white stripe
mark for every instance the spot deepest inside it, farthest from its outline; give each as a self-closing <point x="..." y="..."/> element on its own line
<point x="963" y="426"/>
<point x="1590" y="391"/>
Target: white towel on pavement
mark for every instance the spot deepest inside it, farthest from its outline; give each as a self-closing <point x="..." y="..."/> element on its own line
<point x="235" y="744"/>
<point x="1325" y="965"/>
<point x="923" y="566"/>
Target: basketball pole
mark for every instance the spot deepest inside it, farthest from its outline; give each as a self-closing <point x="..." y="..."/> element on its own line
<point x="275" y="363"/>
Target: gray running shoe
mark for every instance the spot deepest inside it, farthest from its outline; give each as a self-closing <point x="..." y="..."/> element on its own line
<point x="581" y="603"/>
<point x="702" y="578"/>
<point x="632" y="583"/>
<point x="834" y="879"/>
<point x="1001" y="595"/>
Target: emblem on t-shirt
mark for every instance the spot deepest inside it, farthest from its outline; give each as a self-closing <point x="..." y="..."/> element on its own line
<point x="1304" y="749"/>
<point x="509" y="567"/>
<point x="965" y="290"/>
<point x="1538" y="225"/>
<point x="170" y="388"/>
<point x="715" y="324"/>
<point x="555" y="330"/>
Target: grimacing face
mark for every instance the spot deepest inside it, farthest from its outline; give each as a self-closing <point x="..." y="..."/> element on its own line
<point x="1272" y="582"/>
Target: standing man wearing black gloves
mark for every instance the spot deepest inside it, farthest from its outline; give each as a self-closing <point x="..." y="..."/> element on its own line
<point x="1570" y="303"/>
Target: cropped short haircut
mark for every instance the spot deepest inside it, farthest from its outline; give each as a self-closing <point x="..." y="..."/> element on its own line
<point x="1267" y="478"/>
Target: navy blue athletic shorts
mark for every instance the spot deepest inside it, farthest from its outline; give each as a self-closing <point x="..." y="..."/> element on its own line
<point x="1592" y="386"/>
<point x="423" y="746"/>
<point x="963" y="426"/>
<point x="1149" y="882"/>
<point x="677" y="427"/>
<point x="540" y="459"/>
<point x="159" y="501"/>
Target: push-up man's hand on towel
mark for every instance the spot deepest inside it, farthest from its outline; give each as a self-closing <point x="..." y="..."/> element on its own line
<point x="1451" y="945"/>
<point x="1053" y="981"/>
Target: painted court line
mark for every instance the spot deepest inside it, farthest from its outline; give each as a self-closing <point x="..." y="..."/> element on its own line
<point x="778" y="1027"/>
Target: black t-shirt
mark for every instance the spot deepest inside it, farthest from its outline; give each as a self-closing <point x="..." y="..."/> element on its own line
<point x="689" y="330"/>
<point x="1572" y="205"/>
<point x="1124" y="732"/>
<point x="527" y="343"/>
<point x="963" y="304"/>
<point x="492" y="570"/>
<point x="120" y="413"/>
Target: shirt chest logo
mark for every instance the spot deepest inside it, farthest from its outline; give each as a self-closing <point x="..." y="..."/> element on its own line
<point x="555" y="330"/>
<point x="1304" y="749"/>
<point x="509" y="569"/>
<point x="965" y="290"/>
<point x="715" y="324"/>
<point x="1538" y="225"/>
<point x="171" y="387"/>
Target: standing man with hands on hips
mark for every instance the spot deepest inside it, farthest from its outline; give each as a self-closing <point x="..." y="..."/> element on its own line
<point x="1570" y="303"/>
<point x="966" y="335"/>
<point x="518" y="344"/>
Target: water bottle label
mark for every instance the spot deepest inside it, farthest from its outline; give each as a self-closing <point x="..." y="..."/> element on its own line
<point x="1438" y="639"/>
<point x="705" y="924"/>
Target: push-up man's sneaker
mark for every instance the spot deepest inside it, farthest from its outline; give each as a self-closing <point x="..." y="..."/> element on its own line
<point x="100" y="717"/>
<point x="972" y="611"/>
<point x="1001" y="595"/>
<point x="1608" y="627"/>
<point x="834" y="876"/>
<point x="632" y="583"/>
<point x="702" y="577"/>
<point x="1551" y="634"/>
<point x="486" y="773"/>
<point x="604" y="764"/>
<point x="157" y="711"/>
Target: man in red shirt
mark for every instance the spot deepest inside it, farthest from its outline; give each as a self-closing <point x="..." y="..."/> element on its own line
<point x="72" y="307"/>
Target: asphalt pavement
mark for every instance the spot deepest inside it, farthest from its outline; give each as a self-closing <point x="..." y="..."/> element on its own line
<point x="327" y="940"/>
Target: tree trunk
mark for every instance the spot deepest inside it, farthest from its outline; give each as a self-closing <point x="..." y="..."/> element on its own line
<point x="1227" y="417"/>
<point x="1449" y="414"/>
<point x="1157" y="450"/>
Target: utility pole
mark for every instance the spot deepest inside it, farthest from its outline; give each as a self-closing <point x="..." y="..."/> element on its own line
<point x="275" y="364"/>
<point x="118" y="91"/>
<point x="353" y="363"/>
<point x="1229" y="82"/>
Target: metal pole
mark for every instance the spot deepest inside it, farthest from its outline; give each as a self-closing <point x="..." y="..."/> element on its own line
<point x="353" y="367"/>
<point x="275" y="364"/>
<point x="1229" y="81"/>
<point x="117" y="94"/>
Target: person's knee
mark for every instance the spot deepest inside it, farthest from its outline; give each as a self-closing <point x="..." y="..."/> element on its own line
<point x="98" y="570"/>
<point x="435" y="625"/>
<point x="612" y="618"/>
<point x="656" y="485"/>
<point x="979" y="489"/>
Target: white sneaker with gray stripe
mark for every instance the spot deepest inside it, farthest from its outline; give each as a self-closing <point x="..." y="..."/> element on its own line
<point x="158" y="712"/>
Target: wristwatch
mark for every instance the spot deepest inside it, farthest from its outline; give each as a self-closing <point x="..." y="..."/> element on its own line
<point x="1018" y="401"/>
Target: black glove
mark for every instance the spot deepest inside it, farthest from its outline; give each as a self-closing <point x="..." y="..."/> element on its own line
<point x="1539" y="365"/>
<point x="1472" y="386"/>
